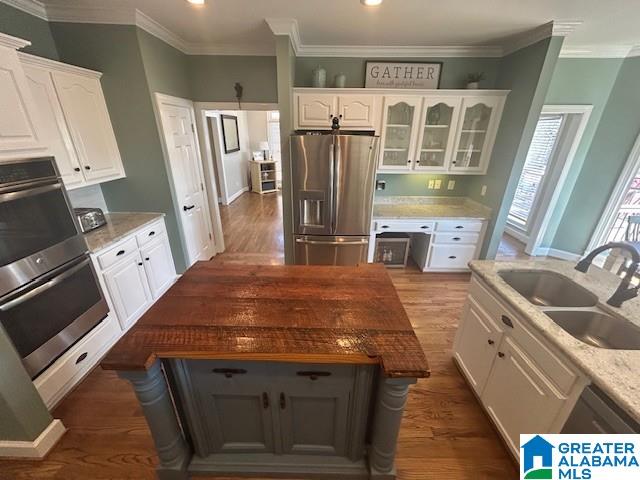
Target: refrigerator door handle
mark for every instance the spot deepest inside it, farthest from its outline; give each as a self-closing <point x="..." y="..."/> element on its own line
<point x="331" y="242"/>
<point x="336" y="184"/>
<point x="332" y="186"/>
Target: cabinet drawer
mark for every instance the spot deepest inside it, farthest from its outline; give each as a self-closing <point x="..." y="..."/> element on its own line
<point x="54" y="383"/>
<point x="451" y="256"/>
<point x="403" y="226"/>
<point x="117" y="253"/>
<point x="150" y="232"/>
<point x="459" y="226"/>
<point x="456" y="238"/>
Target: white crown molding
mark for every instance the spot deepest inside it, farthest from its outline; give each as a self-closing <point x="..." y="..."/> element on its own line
<point x="562" y="28"/>
<point x="32" y="7"/>
<point x="152" y="27"/>
<point x="36" y="449"/>
<point x="286" y="26"/>
<point x="91" y="14"/>
<point x="385" y="51"/>
<point x="237" y="49"/>
<point x="29" y="59"/>
<point x="596" y="51"/>
<point x="634" y="52"/>
<point x="13" y="42"/>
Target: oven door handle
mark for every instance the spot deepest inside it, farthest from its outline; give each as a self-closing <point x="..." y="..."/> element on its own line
<point x="8" y="197"/>
<point x="44" y="287"/>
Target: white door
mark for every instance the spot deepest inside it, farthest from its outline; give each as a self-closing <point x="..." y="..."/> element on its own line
<point x="129" y="290"/>
<point x="18" y="122"/>
<point x="178" y="126"/>
<point x="85" y="111"/>
<point x="55" y="134"/>
<point x="158" y="264"/>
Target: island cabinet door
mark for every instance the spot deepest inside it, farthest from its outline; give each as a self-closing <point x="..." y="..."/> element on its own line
<point x="313" y="408"/>
<point x="235" y="405"/>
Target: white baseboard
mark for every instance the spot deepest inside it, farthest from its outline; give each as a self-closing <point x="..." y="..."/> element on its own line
<point x="237" y="194"/>
<point x="36" y="449"/>
<point x="563" y="254"/>
<point x="517" y="234"/>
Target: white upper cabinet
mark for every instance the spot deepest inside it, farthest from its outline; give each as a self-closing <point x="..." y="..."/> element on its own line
<point x="86" y="113"/>
<point x="74" y="121"/>
<point x="476" y="133"/>
<point x="400" y="124"/>
<point x="437" y="132"/>
<point x="422" y="131"/>
<point x="54" y="128"/>
<point x="19" y="126"/>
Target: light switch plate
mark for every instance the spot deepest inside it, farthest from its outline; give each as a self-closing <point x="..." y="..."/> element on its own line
<point x="430" y="184"/>
<point x="451" y="185"/>
<point x="438" y="184"/>
<point x="483" y="191"/>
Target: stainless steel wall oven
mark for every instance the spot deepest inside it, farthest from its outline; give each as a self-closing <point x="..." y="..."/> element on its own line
<point x="49" y="293"/>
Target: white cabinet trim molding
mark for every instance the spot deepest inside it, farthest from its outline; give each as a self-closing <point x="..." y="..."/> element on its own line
<point x="13" y="42"/>
<point x="29" y="59"/>
<point x="38" y="448"/>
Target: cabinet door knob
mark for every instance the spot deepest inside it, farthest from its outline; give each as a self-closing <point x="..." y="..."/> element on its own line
<point x="490" y="342"/>
<point x="283" y="401"/>
<point x="501" y="355"/>
<point x="146" y="259"/>
<point x="76" y="169"/>
<point x="265" y="400"/>
<point x="152" y="233"/>
<point x="507" y="321"/>
<point x="139" y="264"/>
<point x="87" y="167"/>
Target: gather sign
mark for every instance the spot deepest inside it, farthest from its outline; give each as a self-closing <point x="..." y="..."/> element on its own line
<point x="402" y="75"/>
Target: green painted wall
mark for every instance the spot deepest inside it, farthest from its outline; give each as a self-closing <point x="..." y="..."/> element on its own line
<point x="114" y="50"/>
<point x="454" y="70"/>
<point x="20" y="24"/>
<point x="612" y="142"/>
<point x="527" y="73"/>
<point x="417" y="184"/>
<point x="579" y="81"/>
<point x="212" y="78"/>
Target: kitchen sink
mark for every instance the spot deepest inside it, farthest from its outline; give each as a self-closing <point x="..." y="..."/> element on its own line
<point x="598" y="329"/>
<point x="549" y="289"/>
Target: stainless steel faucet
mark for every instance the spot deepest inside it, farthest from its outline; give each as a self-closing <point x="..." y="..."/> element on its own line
<point x="624" y="291"/>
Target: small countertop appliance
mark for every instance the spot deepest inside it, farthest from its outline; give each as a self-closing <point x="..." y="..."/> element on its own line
<point x="90" y="218"/>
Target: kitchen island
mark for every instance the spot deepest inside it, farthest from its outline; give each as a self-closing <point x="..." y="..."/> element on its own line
<point x="274" y="370"/>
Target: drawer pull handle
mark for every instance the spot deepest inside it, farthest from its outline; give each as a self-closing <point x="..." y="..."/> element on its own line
<point x="186" y="209"/>
<point x="384" y="226"/>
<point x="283" y="401"/>
<point x="265" y="400"/>
<point x="121" y="252"/>
<point x="313" y="375"/>
<point x="81" y="358"/>
<point x="229" y="372"/>
<point x="457" y="239"/>
<point x="507" y="321"/>
<point x="459" y="227"/>
<point x="490" y="342"/>
<point x="425" y="226"/>
<point x="152" y="233"/>
<point x="452" y="257"/>
<point x="501" y="355"/>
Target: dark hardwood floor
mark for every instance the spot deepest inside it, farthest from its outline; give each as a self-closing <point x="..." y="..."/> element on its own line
<point x="445" y="434"/>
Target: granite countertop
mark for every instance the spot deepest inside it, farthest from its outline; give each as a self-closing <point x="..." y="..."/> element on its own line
<point x="317" y="313"/>
<point x="429" y="207"/>
<point x="614" y="371"/>
<point x="118" y="226"/>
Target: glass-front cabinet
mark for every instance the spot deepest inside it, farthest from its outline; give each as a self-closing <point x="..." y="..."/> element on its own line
<point x="436" y="136"/>
<point x="476" y="134"/>
<point x="399" y="132"/>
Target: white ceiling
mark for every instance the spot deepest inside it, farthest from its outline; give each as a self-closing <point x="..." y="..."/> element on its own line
<point x="240" y="24"/>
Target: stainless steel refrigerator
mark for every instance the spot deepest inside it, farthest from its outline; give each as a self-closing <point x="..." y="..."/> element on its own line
<point x="333" y="178"/>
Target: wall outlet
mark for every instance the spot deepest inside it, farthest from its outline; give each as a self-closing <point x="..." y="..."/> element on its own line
<point x="483" y="190"/>
<point x="451" y="185"/>
<point x="438" y="184"/>
<point x="430" y="185"/>
<point x="381" y="184"/>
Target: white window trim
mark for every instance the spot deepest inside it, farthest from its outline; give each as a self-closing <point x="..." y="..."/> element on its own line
<point x="628" y="173"/>
<point x="550" y="196"/>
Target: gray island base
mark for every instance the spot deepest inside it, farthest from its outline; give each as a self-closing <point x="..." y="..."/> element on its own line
<point x="269" y="418"/>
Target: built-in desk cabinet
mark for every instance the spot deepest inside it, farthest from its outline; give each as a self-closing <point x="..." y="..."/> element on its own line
<point x="421" y="131"/>
<point x="76" y="127"/>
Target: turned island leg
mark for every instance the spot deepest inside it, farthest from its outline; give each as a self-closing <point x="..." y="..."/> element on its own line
<point x="153" y="394"/>
<point x="389" y="407"/>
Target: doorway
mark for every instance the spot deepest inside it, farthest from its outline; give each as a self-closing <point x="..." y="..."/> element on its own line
<point x="555" y="140"/>
<point x="244" y="179"/>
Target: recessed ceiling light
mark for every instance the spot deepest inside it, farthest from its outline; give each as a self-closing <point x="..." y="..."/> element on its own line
<point x="196" y="2"/>
<point x="371" y="3"/>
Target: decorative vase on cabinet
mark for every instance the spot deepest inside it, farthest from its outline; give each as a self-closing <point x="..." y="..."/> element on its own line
<point x="319" y="77"/>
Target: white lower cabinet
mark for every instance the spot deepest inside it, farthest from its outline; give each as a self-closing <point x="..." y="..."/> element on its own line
<point x="129" y="289"/>
<point x="158" y="265"/>
<point x="522" y="382"/>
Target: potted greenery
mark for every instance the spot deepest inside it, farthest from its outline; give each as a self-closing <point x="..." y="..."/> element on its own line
<point x="473" y="79"/>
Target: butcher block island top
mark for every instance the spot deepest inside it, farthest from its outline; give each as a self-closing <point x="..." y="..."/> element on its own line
<point x="308" y="314"/>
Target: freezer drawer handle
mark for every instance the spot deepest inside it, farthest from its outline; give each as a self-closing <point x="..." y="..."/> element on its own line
<point x="313" y="375"/>
<point x="229" y="372"/>
<point x="320" y="242"/>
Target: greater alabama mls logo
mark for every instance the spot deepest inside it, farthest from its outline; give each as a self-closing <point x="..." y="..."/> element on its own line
<point x="580" y="457"/>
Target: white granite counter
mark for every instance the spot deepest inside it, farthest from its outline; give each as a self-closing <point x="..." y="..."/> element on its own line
<point x="118" y="226"/>
<point x="616" y="372"/>
<point x="399" y="207"/>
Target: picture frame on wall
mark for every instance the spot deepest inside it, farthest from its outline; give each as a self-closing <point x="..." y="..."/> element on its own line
<point x="230" y="135"/>
<point x="408" y="75"/>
